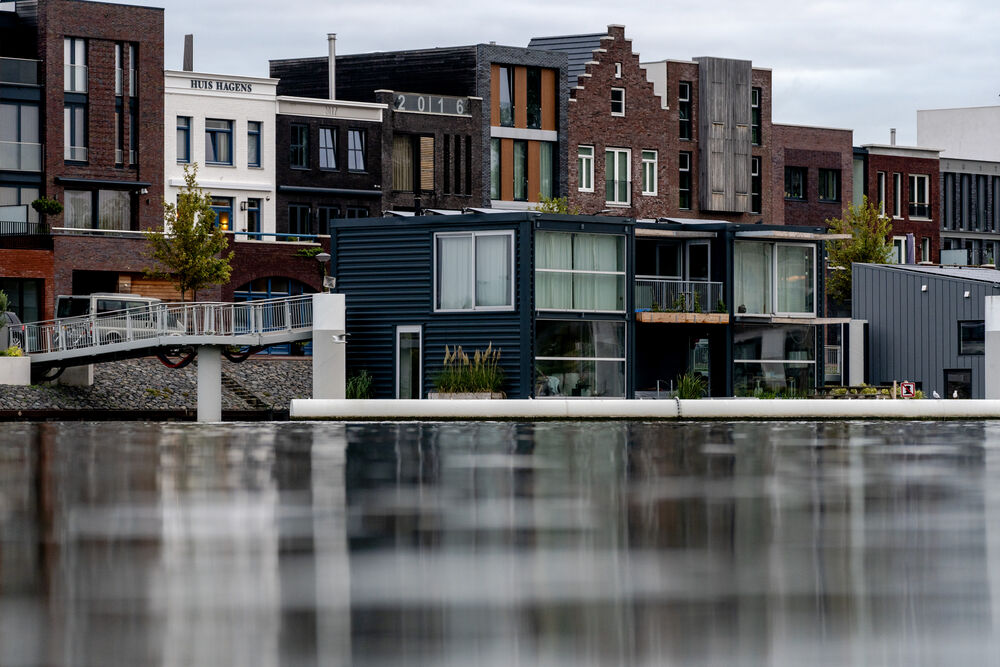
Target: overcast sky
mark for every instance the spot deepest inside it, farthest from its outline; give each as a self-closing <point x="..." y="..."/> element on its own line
<point x="855" y="64"/>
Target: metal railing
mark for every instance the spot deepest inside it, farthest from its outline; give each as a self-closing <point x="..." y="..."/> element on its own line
<point x="22" y="228"/>
<point x="685" y="296"/>
<point x="19" y="71"/>
<point x="270" y="317"/>
<point x="20" y="156"/>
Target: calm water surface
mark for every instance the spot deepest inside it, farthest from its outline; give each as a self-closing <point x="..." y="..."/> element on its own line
<point x="614" y="543"/>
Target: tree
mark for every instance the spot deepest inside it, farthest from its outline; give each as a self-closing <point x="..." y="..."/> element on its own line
<point x="869" y="243"/>
<point x="193" y="250"/>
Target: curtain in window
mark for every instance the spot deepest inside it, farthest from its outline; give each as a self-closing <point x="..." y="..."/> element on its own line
<point x="795" y="279"/>
<point x="752" y="288"/>
<point x="493" y="270"/>
<point x="545" y="168"/>
<point x="77" y="209"/>
<point x="553" y="250"/>
<point x="455" y="286"/>
<point x="402" y="163"/>
<point x="114" y="208"/>
<point x="597" y="252"/>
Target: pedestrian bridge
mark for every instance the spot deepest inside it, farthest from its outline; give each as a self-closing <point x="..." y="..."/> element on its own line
<point x="146" y="330"/>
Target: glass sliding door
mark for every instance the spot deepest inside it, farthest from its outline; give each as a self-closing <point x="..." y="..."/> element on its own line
<point x="409" y="370"/>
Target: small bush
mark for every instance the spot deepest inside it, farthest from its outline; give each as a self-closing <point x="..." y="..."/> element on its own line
<point x="361" y="385"/>
<point x="12" y="351"/>
<point x="47" y="206"/>
<point x="720" y="307"/>
<point x="461" y="374"/>
<point x="691" y="385"/>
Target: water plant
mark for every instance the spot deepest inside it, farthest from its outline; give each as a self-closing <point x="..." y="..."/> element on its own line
<point x="461" y="373"/>
<point x="361" y="385"/>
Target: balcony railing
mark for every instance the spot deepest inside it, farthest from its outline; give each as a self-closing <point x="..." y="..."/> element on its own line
<point x="920" y="210"/>
<point x="20" y="156"/>
<point x="683" y="296"/>
<point x="22" y="228"/>
<point x="76" y="78"/>
<point x="19" y="71"/>
<point x="76" y="153"/>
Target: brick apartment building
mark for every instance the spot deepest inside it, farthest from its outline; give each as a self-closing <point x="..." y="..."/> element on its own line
<point x="812" y="177"/>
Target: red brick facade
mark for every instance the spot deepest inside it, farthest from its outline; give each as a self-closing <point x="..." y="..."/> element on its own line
<point x="31" y="264"/>
<point x="900" y="160"/>
<point x="812" y="148"/>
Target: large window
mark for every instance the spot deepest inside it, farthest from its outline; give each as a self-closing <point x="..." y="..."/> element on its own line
<point x="579" y="271"/>
<point x="75" y="131"/>
<point x="774" y="359"/>
<point x="534" y="97"/>
<point x="580" y="358"/>
<point x="356" y="150"/>
<point x="972" y="337"/>
<point x="75" y="64"/>
<point x="298" y="156"/>
<point x="298" y="219"/>
<point x="20" y="149"/>
<point x="617" y="101"/>
<point x="474" y="271"/>
<point x="920" y="196"/>
<point x="585" y="168"/>
<point x="253" y="143"/>
<point x="649" y="172"/>
<point x="412" y="163"/>
<point x="19" y="195"/>
<point x="795" y="183"/>
<point x="327" y="148"/>
<point x="507" y="96"/>
<point x="617" y="175"/>
<point x="684" y="109"/>
<point x="98" y="209"/>
<point x="218" y="141"/>
<point x="755" y="127"/>
<point x="684" y="181"/>
<point x="829" y="185"/>
<point x="183" y="138"/>
<point x="774" y="278"/>
<point x="26" y="297"/>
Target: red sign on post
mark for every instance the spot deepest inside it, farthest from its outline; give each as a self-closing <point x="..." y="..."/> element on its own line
<point x="907" y="389"/>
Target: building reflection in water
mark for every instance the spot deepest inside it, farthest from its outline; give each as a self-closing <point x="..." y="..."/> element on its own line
<point x="498" y="543"/>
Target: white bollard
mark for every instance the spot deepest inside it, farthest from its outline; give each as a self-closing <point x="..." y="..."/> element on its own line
<point x="209" y="383"/>
<point x="329" y="347"/>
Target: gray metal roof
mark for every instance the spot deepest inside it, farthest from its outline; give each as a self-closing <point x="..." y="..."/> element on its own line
<point x="976" y="273"/>
<point x="579" y="49"/>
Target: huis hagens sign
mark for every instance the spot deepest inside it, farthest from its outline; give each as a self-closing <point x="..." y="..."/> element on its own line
<point x="226" y="86"/>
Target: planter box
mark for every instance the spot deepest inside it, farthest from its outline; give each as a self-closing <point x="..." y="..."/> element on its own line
<point x="15" y="370"/>
<point x="467" y="395"/>
<point x="682" y="318"/>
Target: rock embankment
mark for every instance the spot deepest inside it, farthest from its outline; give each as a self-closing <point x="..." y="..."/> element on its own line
<point x="146" y="384"/>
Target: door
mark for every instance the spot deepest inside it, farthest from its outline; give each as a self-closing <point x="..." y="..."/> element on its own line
<point x="698" y="264"/>
<point x="409" y="371"/>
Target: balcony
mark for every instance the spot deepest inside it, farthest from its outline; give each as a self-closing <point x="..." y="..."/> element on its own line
<point x="24" y="235"/>
<point x="19" y="71"/>
<point x="659" y="300"/>
<point x="20" y="156"/>
<point x="75" y="78"/>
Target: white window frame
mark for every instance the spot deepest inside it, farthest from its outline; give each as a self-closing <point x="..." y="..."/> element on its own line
<point x="628" y="175"/>
<point x="898" y="250"/>
<point x="585" y="165"/>
<point x="685" y="156"/>
<point x="774" y="281"/>
<point x="925" y="249"/>
<point x="880" y="187"/>
<point x="927" y="192"/>
<point x="897" y="195"/>
<point x="584" y="272"/>
<point x="613" y="112"/>
<point x="649" y="166"/>
<point x="419" y="330"/>
<point x="618" y="70"/>
<point x="473" y="234"/>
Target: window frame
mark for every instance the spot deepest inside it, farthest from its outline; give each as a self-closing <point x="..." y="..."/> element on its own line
<point x="254" y="131"/>
<point x="898" y="249"/>
<point x="684" y="125"/>
<point x="649" y="167"/>
<point x="585" y="165"/>
<point x="925" y="249"/>
<point x="298" y="146"/>
<point x="621" y="112"/>
<point x="897" y="195"/>
<point x="835" y="173"/>
<point x="72" y="142"/>
<point x="756" y="185"/>
<point x="623" y="360"/>
<point x="621" y="274"/>
<point x="474" y="234"/>
<point x="773" y="275"/>
<point x="308" y="219"/>
<point x="756" y="131"/>
<point x="355" y="153"/>
<point x="70" y="49"/>
<point x="684" y="156"/>
<point x="211" y="134"/>
<point x="926" y="204"/>
<point x="628" y="175"/>
<point x="330" y="151"/>
<point x="880" y="191"/>
<point x="410" y="329"/>
<point x="961" y="347"/>
<point x="791" y="171"/>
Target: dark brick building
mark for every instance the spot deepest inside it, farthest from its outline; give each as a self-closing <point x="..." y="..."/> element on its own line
<point x="811" y="171"/>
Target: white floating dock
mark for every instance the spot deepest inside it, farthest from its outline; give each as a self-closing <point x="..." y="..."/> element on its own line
<point x="725" y="409"/>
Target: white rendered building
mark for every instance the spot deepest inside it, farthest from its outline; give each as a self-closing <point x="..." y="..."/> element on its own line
<point x="225" y="125"/>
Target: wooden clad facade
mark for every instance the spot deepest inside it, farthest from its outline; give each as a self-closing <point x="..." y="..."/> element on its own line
<point x="725" y="123"/>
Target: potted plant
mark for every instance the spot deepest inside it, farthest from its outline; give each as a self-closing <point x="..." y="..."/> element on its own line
<point x="46" y="207"/>
<point x="15" y="368"/>
<point x="461" y="376"/>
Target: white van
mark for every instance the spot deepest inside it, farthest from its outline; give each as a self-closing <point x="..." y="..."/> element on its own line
<point x="114" y="317"/>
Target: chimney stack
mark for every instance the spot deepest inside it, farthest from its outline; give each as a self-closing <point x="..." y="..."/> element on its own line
<point x="188" y="53"/>
<point x="892" y="136"/>
<point x="331" y="39"/>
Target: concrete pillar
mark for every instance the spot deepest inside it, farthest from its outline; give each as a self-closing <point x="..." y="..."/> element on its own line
<point x="992" y="361"/>
<point x="77" y="376"/>
<point x="858" y="349"/>
<point x="209" y="383"/>
<point x="329" y="346"/>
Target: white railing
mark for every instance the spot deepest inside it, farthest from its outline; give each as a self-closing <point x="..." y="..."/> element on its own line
<point x="272" y="317"/>
<point x="687" y="296"/>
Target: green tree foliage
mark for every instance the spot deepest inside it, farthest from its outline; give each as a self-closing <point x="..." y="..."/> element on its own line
<point x="192" y="252"/>
<point x="869" y="244"/>
<point x="556" y="205"/>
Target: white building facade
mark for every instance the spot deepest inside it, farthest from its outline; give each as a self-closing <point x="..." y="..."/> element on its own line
<point x="225" y="125"/>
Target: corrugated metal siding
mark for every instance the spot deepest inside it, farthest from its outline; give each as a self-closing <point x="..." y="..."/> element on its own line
<point x="579" y="50"/>
<point x="913" y="335"/>
<point x="386" y="273"/>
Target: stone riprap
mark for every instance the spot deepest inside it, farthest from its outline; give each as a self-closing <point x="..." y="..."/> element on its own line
<point x="146" y="384"/>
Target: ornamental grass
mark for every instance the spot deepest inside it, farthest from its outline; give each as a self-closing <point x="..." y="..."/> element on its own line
<point x="462" y="374"/>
